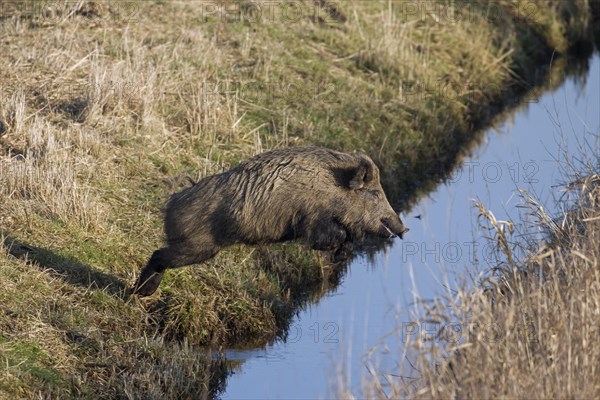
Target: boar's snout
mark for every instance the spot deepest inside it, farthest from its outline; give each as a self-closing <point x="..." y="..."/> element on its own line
<point x="393" y="226"/>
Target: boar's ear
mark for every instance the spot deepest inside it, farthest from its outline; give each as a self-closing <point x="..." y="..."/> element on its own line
<point x="362" y="174"/>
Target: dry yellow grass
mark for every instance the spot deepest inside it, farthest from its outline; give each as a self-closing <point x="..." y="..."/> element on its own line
<point x="105" y="107"/>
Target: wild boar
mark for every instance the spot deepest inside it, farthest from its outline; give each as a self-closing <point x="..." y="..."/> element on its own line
<point x="324" y="197"/>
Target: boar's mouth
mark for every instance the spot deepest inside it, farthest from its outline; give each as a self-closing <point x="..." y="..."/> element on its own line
<point x="388" y="230"/>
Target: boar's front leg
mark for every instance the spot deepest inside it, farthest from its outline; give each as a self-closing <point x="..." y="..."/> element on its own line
<point x="332" y="236"/>
<point x="344" y="252"/>
<point x="327" y="236"/>
<point x="169" y="257"/>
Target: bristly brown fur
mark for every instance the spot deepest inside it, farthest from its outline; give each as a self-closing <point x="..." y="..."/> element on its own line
<point x="324" y="197"/>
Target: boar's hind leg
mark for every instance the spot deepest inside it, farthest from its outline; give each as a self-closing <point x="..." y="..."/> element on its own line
<point x="168" y="257"/>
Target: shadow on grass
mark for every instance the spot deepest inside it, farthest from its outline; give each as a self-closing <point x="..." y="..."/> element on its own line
<point x="71" y="271"/>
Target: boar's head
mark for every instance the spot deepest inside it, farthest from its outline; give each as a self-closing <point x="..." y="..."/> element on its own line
<point x="366" y="208"/>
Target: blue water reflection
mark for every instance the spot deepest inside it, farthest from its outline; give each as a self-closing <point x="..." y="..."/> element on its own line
<point x="347" y="326"/>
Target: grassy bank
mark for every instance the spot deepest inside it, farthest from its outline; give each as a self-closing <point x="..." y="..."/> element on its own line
<point x="105" y="108"/>
<point x="535" y="321"/>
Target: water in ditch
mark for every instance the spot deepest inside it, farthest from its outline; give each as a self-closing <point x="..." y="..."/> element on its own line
<point x="346" y="335"/>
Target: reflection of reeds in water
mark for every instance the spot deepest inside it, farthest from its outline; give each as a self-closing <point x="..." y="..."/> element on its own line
<point x="530" y="328"/>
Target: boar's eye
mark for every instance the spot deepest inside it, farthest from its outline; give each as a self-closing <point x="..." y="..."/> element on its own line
<point x="375" y="194"/>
